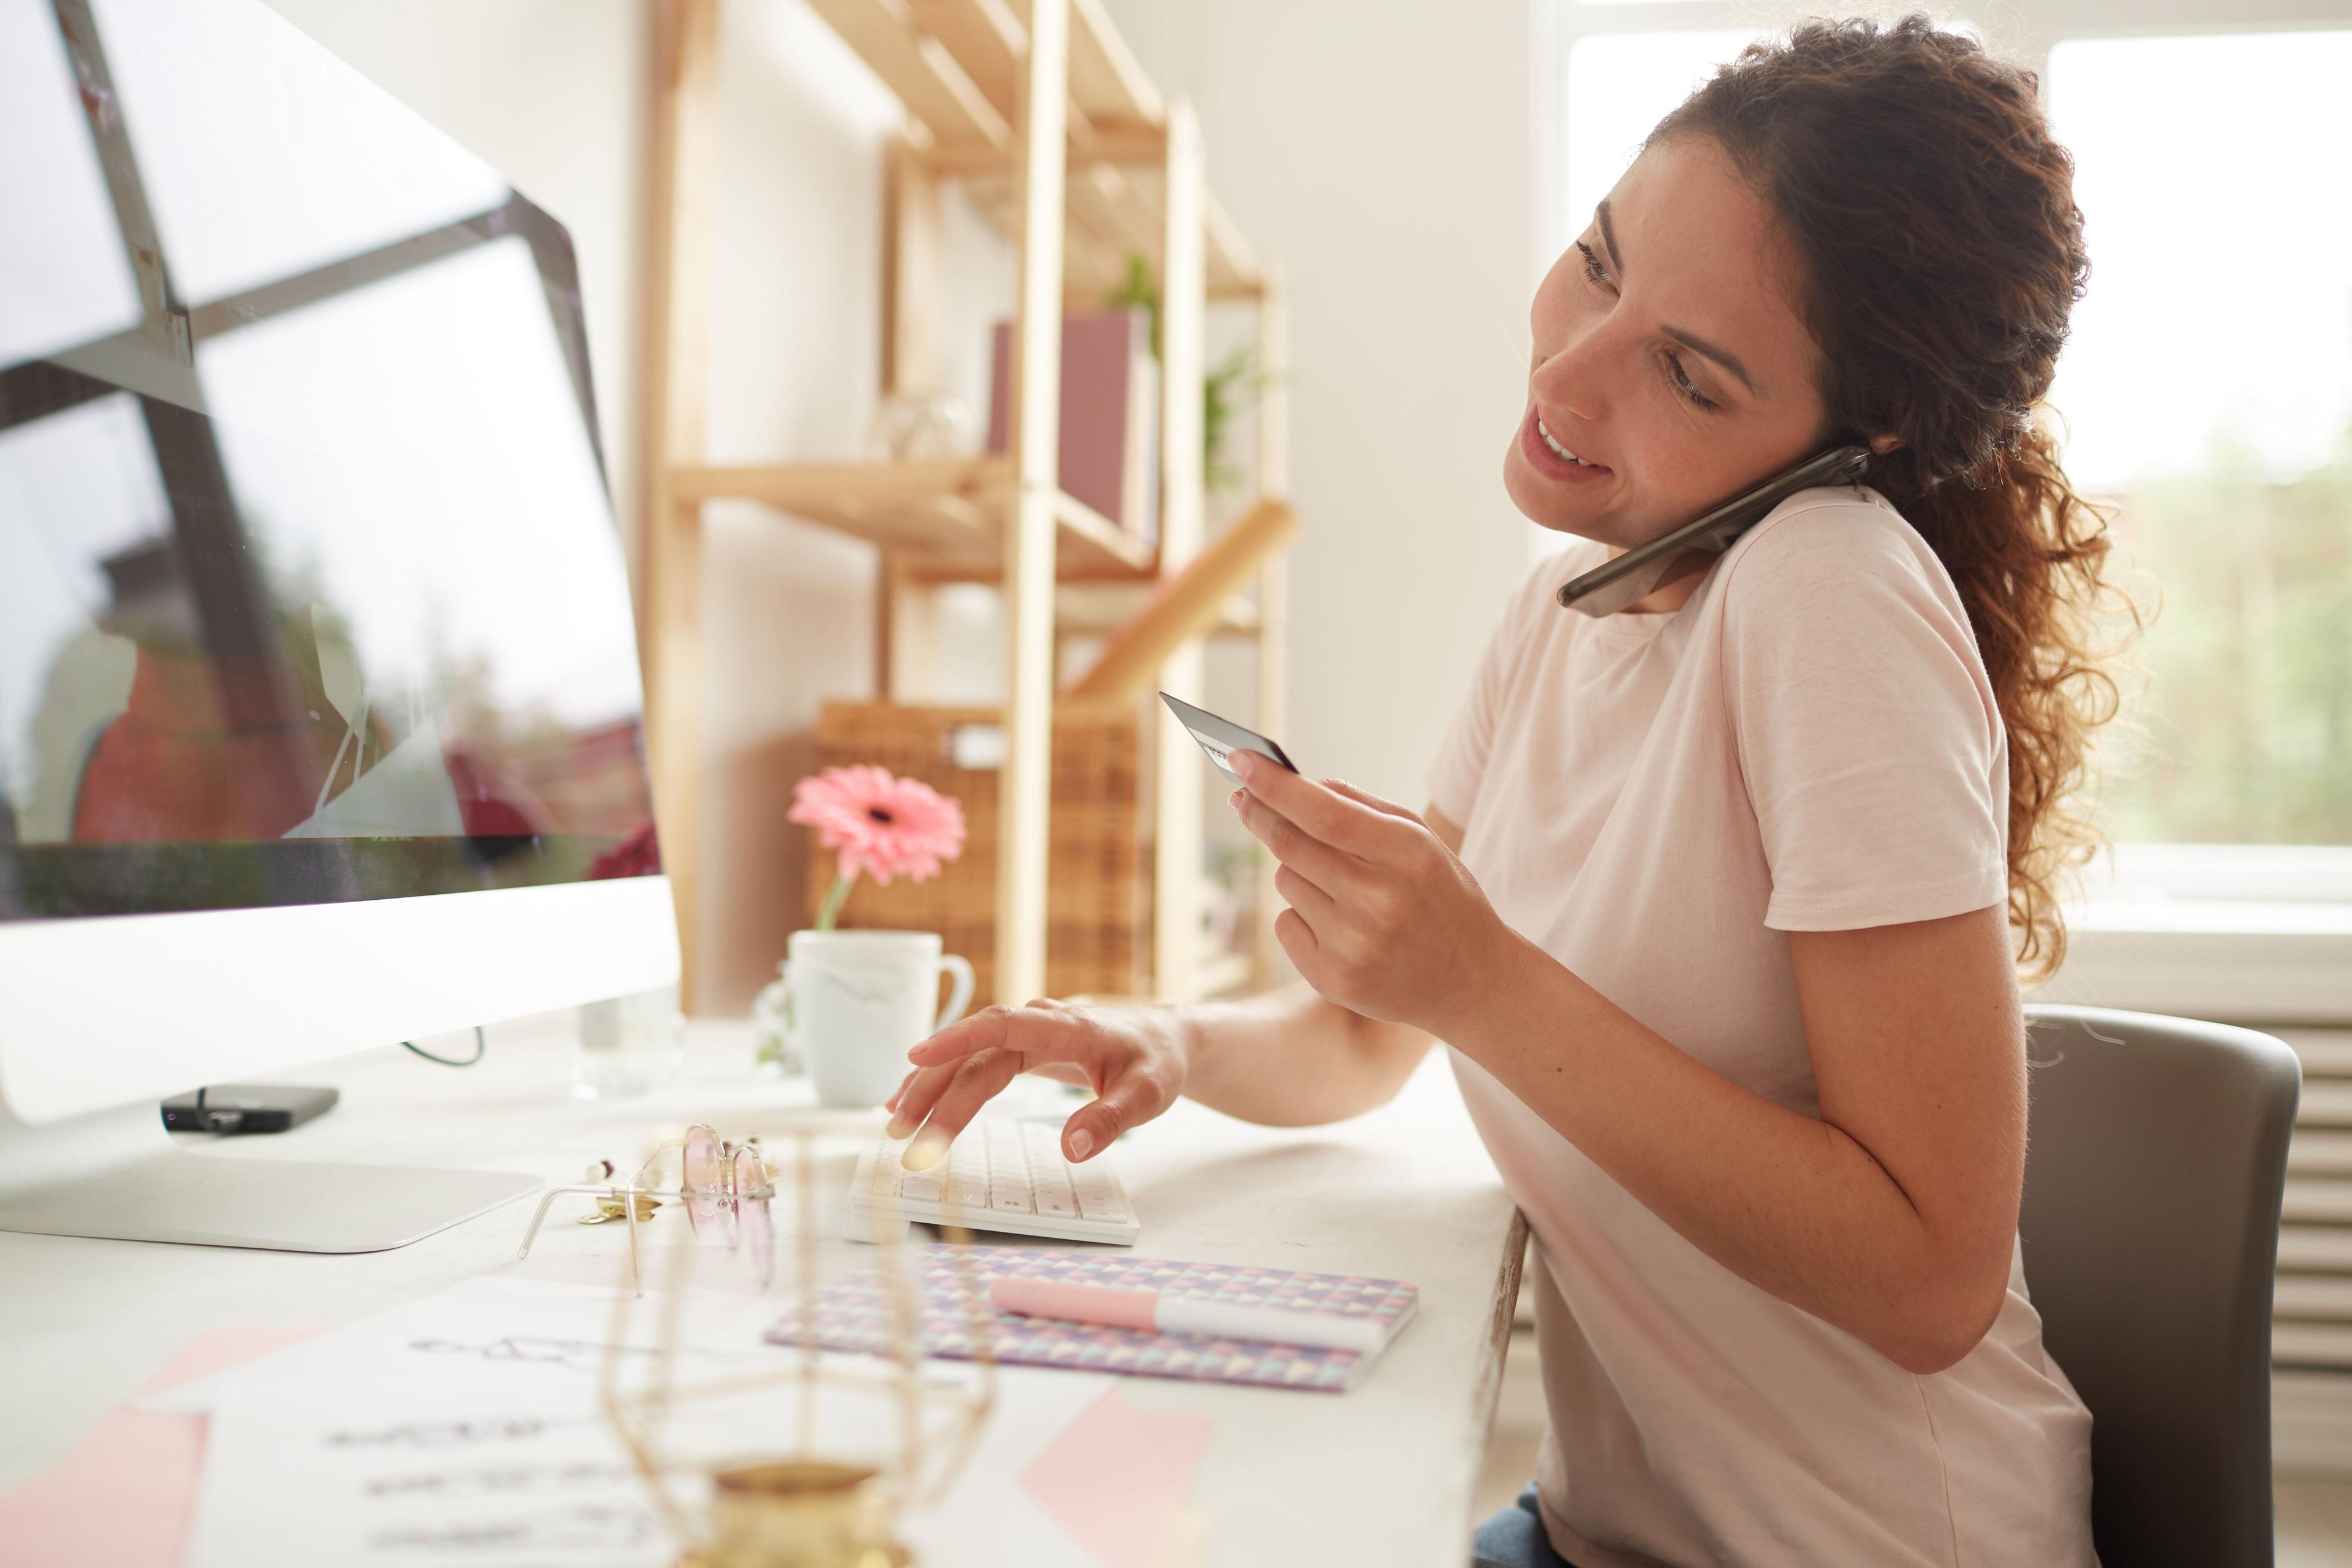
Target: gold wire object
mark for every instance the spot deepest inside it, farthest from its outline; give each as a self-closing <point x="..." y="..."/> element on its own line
<point x="614" y="1202"/>
<point x="803" y="1508"/>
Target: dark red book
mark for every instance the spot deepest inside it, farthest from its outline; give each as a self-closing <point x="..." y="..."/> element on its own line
<point x="1110" y="409"/>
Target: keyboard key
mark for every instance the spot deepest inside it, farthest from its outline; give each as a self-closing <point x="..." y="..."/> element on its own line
<point x="1098" y="1195"/>
<point x="922" y="1187"/>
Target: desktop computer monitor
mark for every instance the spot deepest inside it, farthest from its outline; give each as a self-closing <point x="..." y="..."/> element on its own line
<point x="321" y="721"/>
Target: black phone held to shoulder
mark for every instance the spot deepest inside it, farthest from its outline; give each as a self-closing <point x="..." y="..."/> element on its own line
<point x="1608" y="588"/>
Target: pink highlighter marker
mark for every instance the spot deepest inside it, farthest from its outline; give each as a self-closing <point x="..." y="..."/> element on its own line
<point x="1153" y="1312"/>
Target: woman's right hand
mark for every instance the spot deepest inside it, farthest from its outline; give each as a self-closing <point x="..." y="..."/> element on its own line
<point x="1133" y="1057"/>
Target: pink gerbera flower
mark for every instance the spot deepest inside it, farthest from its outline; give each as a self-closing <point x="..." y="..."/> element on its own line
<point x="886" y="825"/>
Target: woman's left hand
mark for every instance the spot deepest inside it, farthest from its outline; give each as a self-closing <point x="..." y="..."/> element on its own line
<point x="1383" y="918"/>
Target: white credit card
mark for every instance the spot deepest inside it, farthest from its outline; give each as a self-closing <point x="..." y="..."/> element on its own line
<point x="1220" y="738"/>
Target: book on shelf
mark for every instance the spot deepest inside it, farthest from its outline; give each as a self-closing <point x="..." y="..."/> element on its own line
<point x="1111" y="414"/>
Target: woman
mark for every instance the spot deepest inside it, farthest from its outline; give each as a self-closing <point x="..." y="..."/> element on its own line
<point x="1719" y="901"/>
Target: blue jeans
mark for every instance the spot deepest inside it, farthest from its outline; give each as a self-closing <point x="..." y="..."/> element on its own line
<point x="1515" y="1538"/>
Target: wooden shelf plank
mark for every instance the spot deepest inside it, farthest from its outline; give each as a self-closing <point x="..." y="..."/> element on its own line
<point x="1124" y="145"/>
<point x="943" y="520"/>
<point x="1105" y="220"/>
<point x="987" y="41"/>
<point x="1096" y="609"/>
<point x="1105" y="83"/>
<point x="919" y="68"/>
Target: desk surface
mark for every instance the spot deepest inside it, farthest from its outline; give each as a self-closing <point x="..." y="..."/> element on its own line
<point x="1381" y="1475"/>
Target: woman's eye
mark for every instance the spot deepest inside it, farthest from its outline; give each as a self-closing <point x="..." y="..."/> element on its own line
<point x="1683" y="384"/>
<point x="1593" y="271"/>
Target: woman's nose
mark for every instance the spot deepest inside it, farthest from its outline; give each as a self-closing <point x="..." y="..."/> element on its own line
<point x="1577" y="376"/>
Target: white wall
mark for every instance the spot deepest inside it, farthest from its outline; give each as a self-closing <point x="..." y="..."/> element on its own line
<point x="1381" y="153"/>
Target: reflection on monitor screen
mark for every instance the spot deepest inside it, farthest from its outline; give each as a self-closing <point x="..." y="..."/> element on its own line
<point x="310" y="588"/>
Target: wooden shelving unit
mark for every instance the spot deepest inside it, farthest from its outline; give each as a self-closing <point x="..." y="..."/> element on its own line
<point x="1037" y="108"/>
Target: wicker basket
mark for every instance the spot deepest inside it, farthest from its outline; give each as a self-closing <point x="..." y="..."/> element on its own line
<point x="1097" y="938"/>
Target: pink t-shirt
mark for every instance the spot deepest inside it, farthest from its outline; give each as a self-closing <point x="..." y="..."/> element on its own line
<point x="1809" y="745"/>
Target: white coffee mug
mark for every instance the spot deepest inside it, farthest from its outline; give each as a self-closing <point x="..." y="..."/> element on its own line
<point x="853" y="1002"/>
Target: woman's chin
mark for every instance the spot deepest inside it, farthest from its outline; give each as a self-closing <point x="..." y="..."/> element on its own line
<point x="1542" y="503"/>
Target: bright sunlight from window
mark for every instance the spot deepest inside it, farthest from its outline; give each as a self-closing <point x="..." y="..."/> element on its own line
<point x="2208" y="389"/>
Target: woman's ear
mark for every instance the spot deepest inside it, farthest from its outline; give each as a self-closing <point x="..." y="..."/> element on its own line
<point x="1882" y="445"/>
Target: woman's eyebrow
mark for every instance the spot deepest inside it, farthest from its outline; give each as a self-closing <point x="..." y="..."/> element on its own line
<point x="1690" y="341"/>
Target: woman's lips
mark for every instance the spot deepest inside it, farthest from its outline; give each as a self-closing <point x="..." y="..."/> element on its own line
<point x="1549" y="463"/>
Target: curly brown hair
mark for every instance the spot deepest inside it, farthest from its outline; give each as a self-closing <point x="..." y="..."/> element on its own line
<point x="1934" y="221"/>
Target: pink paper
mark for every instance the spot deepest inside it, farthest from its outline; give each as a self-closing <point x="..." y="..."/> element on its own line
<point x="125" y="1494"/>
<point x="1116" y="1479"/>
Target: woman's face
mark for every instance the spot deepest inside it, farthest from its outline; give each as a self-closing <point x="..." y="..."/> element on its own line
<point x="1669" y="356"/>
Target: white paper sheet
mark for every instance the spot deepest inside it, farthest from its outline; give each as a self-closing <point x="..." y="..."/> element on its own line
<point x="465" y="1429"/>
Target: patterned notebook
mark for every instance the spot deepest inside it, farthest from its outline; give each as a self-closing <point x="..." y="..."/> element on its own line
<point x="850" y="1316"/>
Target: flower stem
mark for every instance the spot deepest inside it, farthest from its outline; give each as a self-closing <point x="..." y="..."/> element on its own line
<point x="831" y="909"/>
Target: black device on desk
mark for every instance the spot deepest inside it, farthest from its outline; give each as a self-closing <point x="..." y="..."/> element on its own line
<point x="241" y="1108"/>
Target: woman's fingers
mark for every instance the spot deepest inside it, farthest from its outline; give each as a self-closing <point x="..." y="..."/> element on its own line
<point x="1329" y="869"/>
<point x="1309" y="900"/>
<point x="1357" y="827"/>
<point x="1134" y="1097"/>
<point x="1135" y="1070"/>
<point x="918" y="1095"/>
<point x="959" y="1068"/>
<point x="1366" y="798"/>
<point x="1043" y="1031"/>
<point x="971" y="1084"/>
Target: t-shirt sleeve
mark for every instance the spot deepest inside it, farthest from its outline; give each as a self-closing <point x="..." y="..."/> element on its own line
<point x="1868" y="738"/>
<point x="1461" y="761"/>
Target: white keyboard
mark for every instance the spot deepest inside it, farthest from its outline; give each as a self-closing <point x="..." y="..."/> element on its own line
<point x="999" y="1174"/>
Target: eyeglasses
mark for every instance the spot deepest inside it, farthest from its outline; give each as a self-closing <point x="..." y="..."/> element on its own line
<point x="725" y="1187"/>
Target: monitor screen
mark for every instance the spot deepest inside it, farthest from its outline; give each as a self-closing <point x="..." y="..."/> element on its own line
<point x="310" y="590"/>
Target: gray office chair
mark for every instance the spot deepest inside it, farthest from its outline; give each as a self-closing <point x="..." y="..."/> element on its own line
<point x="2156" y="1158"/>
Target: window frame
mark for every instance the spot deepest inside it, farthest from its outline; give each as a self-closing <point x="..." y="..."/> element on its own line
<point x="2199" y="928"/>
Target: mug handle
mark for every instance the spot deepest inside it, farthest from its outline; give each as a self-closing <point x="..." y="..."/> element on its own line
<point x="960" y="994"/>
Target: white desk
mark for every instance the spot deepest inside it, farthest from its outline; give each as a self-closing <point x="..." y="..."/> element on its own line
<point x="1381" y="1475"/>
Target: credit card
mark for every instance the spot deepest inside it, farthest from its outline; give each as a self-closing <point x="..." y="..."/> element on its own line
<point x="1221" y="737"/>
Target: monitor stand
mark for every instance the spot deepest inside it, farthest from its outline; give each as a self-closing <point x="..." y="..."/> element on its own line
<point x="115" y="1176"/>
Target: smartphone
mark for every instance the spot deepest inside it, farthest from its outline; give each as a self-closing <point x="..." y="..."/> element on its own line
<point x="1607" y="589"/>
<point x="1221" y="737"/>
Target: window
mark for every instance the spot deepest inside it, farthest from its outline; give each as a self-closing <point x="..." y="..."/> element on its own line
<point x="2208" y="389"/>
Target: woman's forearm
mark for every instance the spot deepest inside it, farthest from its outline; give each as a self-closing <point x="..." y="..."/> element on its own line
<point x="1291" y="1058"/>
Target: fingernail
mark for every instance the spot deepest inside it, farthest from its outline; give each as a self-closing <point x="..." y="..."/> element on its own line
<point x="897" y="1127"/>
<point x="925" y="1152"/>
<point x="1082" y="1143"/>
<point x="1242" y="763"/>
<point x="1235" y="799"/>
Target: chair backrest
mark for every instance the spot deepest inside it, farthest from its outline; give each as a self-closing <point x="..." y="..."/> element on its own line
<point x="2156" y="1158"/>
